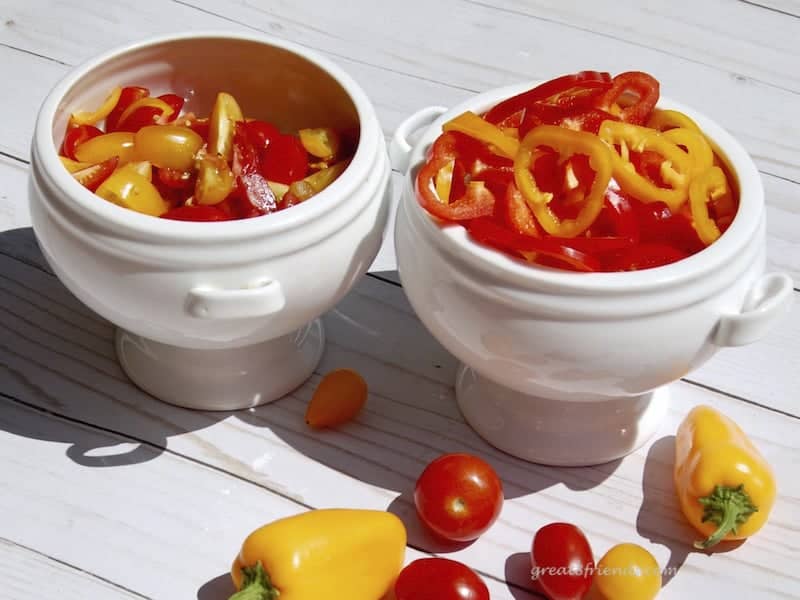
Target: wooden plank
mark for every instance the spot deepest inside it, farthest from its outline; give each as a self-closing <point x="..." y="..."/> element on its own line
<point x="179" y="522"/>
<point x="29" y="574"/>
<point x="386" y="60"/>
<point x="785" y="7"/>
<point x="411" y="418"/>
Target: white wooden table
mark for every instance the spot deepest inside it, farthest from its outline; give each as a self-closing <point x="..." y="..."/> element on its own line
<point x="106" y="492"/>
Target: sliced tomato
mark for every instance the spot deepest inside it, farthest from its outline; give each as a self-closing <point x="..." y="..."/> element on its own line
<point x="285" y="160"/>
<point x="92" y="177"/>
<point x="196" y="213"/>
<point x="175" y="179"/>
<point x="246" y="159"/>
<point x="256" y="191"/>
<point x="75" y="136"/>
<point x="261" y="133"/>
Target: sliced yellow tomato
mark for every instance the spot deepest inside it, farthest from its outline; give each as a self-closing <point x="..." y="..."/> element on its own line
<point x="103" y="147"/>
<point x="128" y="188"/>
<point x="167" y="146"/>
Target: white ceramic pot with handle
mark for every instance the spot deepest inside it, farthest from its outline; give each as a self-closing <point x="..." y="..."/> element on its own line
<point x="215" y="315"/>
<point x="568" y="368"/>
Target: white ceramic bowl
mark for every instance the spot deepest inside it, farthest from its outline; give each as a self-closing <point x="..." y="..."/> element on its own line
<point x="569" y="368"/>
<point x="215" y="315"/>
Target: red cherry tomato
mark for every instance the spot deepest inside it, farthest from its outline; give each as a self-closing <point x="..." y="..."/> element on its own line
<point x="261" y="133"/>
<point x="562" y="561"/>
<point x="75" y="136"/>
<point x="439" y="579"/>
<point x="458" y="496"/>
<point x="285" y="160"/>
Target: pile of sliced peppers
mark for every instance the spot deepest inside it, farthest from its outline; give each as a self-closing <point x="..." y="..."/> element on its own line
<point x="584" y="173"/>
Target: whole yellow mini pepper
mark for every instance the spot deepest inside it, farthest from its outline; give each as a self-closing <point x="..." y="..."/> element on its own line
<point x="725" y="486"/>
<point x="328" y="553"/>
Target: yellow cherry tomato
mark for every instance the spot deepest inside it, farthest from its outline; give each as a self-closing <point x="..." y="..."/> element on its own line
<point x="224" y="116"/>
<point x="339" y="397"/>
<point x="628" y="572"/>
<point x="103" y="147"/>
<point x="127" y="187"/>
<point x="167" y="146"/>
<point x="215" y="180"/>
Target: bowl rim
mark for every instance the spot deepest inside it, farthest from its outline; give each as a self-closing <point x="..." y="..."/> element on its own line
<point x="454" y="239"/>
<point x="45" y="155"/>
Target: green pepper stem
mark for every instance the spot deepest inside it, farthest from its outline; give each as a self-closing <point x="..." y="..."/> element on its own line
<point x="256" y="585"/>
<point x="727" y="508"/>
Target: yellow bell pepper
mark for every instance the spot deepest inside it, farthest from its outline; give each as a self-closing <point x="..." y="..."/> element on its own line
<point x="474" y="126"/>
<point x="676" y="169"/>
<point x="566" y="142"/>
<point x="330" y="553"/>
<point x="725" y="486"/>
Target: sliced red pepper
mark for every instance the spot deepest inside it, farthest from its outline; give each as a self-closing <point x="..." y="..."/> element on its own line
<point x="488" y="231"/>
<point x="476" y="201"/>
<point x="549" y="90"/>
<point x="515" y="212"/>
<point x="644" y="86"/>
<point x="128" y="96"/>
<point x="246" y="158"/>
<point x="75" y="136"/>
<point x="285" y="160"/>
<point x="645" y="256"/>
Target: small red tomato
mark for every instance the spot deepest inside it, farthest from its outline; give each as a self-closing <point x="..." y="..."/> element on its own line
<point x="458" y="496"/>
<point x="175" y="102"/>
<point x="439" y="579"/>
<point x="562" y="561"/>
<point x="261" y="133"/>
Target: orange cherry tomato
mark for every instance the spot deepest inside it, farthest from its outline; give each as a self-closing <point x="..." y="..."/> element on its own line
<point x="338" y="398"/>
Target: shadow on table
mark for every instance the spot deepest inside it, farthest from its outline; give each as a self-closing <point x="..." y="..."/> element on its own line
<point x="57" y="358"/>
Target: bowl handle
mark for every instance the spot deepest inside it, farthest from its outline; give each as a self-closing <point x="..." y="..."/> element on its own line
<point x="768" y="299"/>
<point x="261" y="298"/>
<point x="400" y="147"/>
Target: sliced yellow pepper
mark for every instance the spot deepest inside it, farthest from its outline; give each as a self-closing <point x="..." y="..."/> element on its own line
<point x="697" y="146"/>
<point x="566" y="142"/>
<point x="350" y="554"/>
<point x="444" y="181"/>
<point x="480" y="129"/>
<point x="663" y="120"/>
<point x="725" y="486"/>
<point x="85" y="117"/>
<point x="676" y="169"/>
<point x="166" y="109"/>
<point x="710" y="185"/>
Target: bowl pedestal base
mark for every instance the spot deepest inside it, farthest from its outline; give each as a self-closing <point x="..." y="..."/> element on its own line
<point x="225" y="379"/>
<point x="557" y="432"/>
